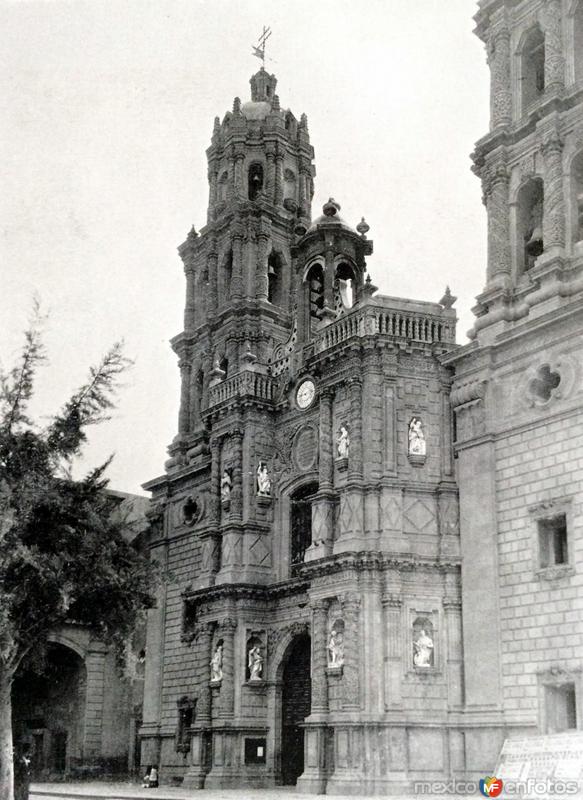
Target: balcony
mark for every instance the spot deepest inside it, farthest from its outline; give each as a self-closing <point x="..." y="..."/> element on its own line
<point x="407" y="321"/>
<point x="243" y="385"/>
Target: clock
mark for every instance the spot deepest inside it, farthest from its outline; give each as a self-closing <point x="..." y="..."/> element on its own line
<point x="305" y="393"/>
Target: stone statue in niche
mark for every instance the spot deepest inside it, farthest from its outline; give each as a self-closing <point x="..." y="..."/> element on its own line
<point x="226" y="486"/>
<point x="336" y="648"/>
<point x="417" y="443"/>
<point x="423" y="650"/>
<point x="263" y="480"/>
<point x="217" y="664"/>
<point x="255" y="663"/>
<point x="343" y="442"/>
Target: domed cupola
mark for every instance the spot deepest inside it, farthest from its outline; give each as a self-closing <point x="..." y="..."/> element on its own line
<point x="331" y="268"/>
<point x="261" y="153"/>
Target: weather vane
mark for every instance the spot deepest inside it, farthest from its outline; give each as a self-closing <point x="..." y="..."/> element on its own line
<point x="259" y="50"/>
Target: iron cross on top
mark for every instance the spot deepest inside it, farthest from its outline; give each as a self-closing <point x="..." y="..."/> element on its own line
<point x="259" y="49"/>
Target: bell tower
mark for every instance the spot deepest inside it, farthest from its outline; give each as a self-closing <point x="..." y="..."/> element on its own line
<point x="239" y="279"/>
<point x="518" y="392"/>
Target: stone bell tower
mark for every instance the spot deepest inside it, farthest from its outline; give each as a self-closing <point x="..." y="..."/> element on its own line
<point x="239" y="281"/>
<point x="518" y="393"/>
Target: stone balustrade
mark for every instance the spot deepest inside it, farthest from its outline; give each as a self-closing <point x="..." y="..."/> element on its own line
<point x="243" y="384"/>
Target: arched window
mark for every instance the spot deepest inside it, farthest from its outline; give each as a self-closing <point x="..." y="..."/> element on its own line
<point x="578" y="41"/>
<point x="227" y="274"/>
<point x="224" y="365"/>
<point x="301" y="522"/>
<point x="533" y="67"/>
<point x="255" y="180"/>
<point x="529" y="233"/>
<point x="577" y="197"/>
<point x="289" y="185"/>
<point x="315" y="280"/>
<point x="222" y="193"/>
<point x="344" y="287"/>
<point x="199" y="388"/>
<point x="274" y="292"/>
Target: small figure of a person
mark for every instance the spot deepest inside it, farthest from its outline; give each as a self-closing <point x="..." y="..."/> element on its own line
<point x="336" y="648"/>
<point x="226" y="486"/>
<point x="343" y="442"/>
<point x="417" y="444"/>
<point x="255" y="663"/>
<point x="423" y="650"/>
<point x="217" y="664"/>
<point x="263" y="480"/>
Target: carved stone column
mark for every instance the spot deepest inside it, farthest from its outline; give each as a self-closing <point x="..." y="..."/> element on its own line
<point x="184" y="413"/>
<point x="212" y="267"/>
<point x="212" y="178"/>
<point x="496" y="180"/>
<point x="270" y="179"/>
<point x="237" y="276"/>
<point x="237" y="490"/>
<point x="227" y="629"/>
<point x="554" y="204"/>
<point x="239" y="187"/>
<point x="278" y="179"/>
<point x="355" y="455"/>
<point x="320" y="657"/>
<point x="261" y="278"/>
<point x="231" y="182"/>
<point x="326" y="463"/>
<point x="500" y="85"/>
<point x="195" y="777"/>
<point x="189" y="308"/>
<point x="203" y="707"/>
<point x="328" y="312"/>
<point x="351" y="614"/>
<point x="453" y="623"/>
<point x="215" y="488"/>
<point x="554" y="59"/>
<point x="392" y="605"/>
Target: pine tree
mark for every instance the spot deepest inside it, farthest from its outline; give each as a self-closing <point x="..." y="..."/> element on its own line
<point x="64" y="556"/>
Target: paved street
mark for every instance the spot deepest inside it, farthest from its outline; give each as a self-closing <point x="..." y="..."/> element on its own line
<point x="127" y="791"/>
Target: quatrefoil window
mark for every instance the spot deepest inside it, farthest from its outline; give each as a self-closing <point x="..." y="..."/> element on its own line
<point x="544" y="383"/>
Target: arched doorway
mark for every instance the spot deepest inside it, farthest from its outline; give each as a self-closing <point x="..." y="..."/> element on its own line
<point x="295" y="707"/>
<point x="48" y="711"/>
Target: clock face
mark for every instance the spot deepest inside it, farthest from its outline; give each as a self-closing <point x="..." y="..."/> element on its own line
<point x="305" y="393"/>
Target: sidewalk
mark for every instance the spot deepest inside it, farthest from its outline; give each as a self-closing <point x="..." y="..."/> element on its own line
<point x="96" y="790"/>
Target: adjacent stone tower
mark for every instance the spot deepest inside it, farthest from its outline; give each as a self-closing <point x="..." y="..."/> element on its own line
<point x="518" y="393"/>
<point x="309" y="629"/>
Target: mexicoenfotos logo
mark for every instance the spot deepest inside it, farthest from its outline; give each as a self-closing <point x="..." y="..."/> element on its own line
<point x="491" y="787"/>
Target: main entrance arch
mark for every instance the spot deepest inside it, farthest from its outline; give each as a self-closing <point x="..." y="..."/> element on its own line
<point x="296" y="698"/>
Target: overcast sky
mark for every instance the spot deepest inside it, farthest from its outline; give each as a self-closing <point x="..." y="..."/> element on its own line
<point x="106" y="111"/>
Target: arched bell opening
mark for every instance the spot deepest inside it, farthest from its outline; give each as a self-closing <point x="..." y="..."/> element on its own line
<point x="255" y="180"/>
<point x="314" y="282"/>
<point x="529" y="238"/>
<point x="274" y="279"/>
<point x="532" y="63"/>
<point x="345" y="286"/>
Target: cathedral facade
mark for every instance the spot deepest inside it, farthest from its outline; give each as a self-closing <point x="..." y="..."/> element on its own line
<point x="372" y="536"/>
